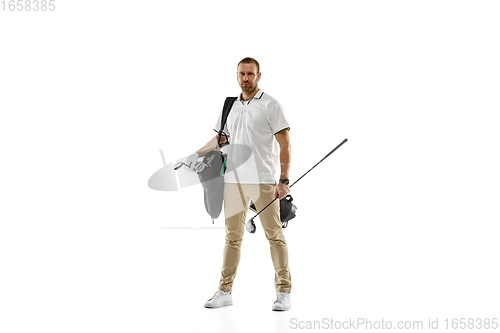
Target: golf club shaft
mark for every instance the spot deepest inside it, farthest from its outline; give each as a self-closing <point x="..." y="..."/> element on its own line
<point x="334" y="149"/>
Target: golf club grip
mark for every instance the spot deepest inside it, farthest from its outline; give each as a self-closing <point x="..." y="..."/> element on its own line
<point x="334" y="149"/>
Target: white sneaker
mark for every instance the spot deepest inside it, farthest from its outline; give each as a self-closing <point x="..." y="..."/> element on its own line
<point x="282" y="302"/>
<point x="220" y="298"/>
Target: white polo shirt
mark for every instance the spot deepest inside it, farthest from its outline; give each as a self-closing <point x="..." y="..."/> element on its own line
<point x="254" y="123"/>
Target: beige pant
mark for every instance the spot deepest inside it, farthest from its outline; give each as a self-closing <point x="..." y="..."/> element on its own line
<point x="236" y="203"/>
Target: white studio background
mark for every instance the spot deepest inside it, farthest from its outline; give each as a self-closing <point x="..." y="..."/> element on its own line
<point x="401" y="223"/>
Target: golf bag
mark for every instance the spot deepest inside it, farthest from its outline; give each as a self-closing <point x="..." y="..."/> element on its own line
<point x="214" y="167"/>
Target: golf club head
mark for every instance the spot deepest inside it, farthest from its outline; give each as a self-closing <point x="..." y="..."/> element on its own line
<point x="178" y="165"/>
<point x="251" y="226"/>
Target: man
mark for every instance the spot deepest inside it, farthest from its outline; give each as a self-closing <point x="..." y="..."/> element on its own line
<point x="257" y="121"/>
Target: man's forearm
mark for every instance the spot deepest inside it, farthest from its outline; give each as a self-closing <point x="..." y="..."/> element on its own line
<point x="285" y="160"/>
<point x="209" y="146"/>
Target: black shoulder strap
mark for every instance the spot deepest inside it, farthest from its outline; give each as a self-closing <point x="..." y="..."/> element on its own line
<point x="228" y="104"/>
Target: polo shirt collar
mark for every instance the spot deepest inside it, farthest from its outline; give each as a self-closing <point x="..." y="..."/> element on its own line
<point x="259" y="95"/>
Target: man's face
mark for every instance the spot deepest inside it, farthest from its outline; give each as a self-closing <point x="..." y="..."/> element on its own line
<point x="248" y="77"/>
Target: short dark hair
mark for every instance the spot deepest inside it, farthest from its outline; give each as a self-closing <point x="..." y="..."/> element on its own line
<point x="250" y="61"/>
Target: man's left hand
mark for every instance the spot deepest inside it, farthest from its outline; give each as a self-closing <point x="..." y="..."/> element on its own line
<point x="282" y="190"/>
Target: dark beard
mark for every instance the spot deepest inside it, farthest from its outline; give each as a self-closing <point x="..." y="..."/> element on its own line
<point x="250" y="90"/>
